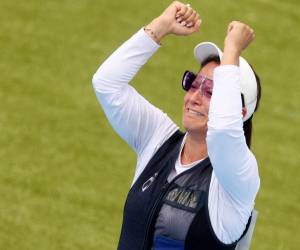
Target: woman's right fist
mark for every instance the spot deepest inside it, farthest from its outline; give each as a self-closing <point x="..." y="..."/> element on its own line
<point x="178" y="19"/>
<point x="183" y="19"/>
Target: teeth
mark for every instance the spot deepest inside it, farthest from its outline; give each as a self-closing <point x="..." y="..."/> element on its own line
<point x="194" y="112"/>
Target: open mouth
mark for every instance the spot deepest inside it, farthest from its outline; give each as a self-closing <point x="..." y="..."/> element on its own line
<point x="194" y="112"/>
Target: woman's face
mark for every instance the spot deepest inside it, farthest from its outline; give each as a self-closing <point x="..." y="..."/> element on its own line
<point x="196" y="105"/>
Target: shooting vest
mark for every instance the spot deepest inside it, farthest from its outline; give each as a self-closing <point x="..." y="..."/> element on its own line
<point x="152" y="197"/>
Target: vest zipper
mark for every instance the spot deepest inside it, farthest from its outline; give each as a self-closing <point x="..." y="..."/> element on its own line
<point x="164" y="190"/>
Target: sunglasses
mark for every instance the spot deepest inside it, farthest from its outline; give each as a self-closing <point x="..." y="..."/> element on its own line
<point x="193" y="82"/>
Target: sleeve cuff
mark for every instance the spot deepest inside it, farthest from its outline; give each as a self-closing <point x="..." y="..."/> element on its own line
<point x="147" y="39"/>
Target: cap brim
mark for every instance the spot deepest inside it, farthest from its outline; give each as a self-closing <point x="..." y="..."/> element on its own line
<point x="205" y="50"/>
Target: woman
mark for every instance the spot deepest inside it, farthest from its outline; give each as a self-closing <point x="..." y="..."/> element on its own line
<point x="193" y="190"/>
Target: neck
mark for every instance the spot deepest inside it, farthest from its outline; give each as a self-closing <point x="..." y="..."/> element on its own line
<point x="195" y="148"/>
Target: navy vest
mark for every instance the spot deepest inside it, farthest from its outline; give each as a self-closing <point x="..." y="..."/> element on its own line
<point x="151" y="192"/>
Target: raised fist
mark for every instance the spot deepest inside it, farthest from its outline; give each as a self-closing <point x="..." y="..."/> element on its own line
<point x="182" y="19"/>
<point x="178" y="19"/>
<point x="239" y="36"/>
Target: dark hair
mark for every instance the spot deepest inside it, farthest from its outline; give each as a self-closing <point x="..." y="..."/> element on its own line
<point x="211" y="59"/>
<point x="247" y="125"/>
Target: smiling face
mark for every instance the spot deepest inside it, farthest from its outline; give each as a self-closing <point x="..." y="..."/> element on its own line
<point x="196" y="105"/>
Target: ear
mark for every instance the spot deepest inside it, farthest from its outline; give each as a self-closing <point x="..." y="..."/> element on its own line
<point x="244" y="111"/>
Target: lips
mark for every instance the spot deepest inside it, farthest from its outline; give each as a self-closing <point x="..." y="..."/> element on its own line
<point x="194" y="112"/>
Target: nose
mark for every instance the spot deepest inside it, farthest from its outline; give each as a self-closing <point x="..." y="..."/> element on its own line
<point x="196" y="97"/>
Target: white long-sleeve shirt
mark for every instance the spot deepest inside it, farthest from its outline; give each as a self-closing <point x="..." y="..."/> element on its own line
<point x="235" y="180"/>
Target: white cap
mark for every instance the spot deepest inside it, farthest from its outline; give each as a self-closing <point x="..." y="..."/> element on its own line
<point x="248" y="81"/>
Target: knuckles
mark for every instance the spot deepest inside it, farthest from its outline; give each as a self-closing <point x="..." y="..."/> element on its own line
<point x="240" y="28"/>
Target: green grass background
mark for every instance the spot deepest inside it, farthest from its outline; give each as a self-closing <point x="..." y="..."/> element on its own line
<point x="64" y="173"/>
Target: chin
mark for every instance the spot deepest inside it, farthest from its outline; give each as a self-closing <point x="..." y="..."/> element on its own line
<point x="194" y="125"/>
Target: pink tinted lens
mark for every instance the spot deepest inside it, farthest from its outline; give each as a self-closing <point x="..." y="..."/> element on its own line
<point x="204" y="84"/>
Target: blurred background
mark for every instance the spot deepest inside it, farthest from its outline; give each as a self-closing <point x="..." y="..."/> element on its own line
<point x="64" y="173"/>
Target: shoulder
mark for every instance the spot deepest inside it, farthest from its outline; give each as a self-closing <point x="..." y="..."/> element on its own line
<point x="156" y="142"/>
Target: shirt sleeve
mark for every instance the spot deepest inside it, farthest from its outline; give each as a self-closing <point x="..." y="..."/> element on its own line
<point x="130" y="114"/>
<point x="234" y="164"/>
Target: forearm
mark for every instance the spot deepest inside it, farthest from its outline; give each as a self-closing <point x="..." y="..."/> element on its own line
<point x="230" y="56"/>
<point x="130" y="114"/>
<point x="157" y="29"/>
<point x="234" y="164"/>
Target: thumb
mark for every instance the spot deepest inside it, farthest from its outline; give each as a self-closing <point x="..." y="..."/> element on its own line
<point x="230" y="27"/>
